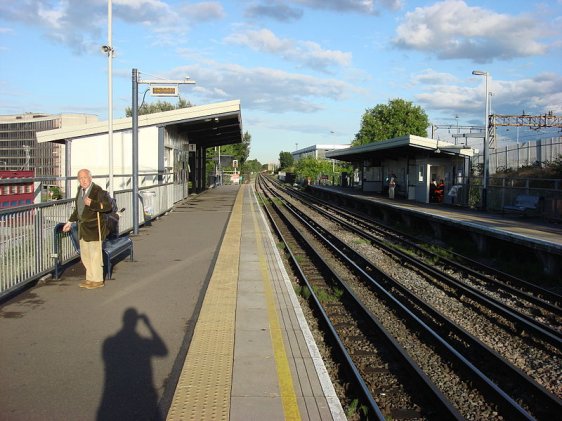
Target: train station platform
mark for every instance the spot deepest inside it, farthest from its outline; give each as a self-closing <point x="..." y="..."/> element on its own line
<point x="489" y="231"/>
<point x="515" y="226"/>
<point x="203" y="324"/>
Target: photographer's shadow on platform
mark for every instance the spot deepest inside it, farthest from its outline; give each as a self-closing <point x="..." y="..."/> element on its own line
<point x="129" y="392"/>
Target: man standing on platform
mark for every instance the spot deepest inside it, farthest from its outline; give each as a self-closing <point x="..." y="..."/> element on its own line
<point x="391" y="186"/>
<point x="91" y="200"/>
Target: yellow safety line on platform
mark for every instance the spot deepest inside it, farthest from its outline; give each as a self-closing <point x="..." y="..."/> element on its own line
<point x="286" y="388"/>
<point x="203" y="390"/>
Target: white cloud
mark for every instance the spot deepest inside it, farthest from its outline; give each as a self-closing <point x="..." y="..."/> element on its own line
<point x="430" y="76"/>
<point x="361" y="6"/>
<point x="537" y="95"/>
<point x="306" y="53"/>
<point x="280" y="12"/>
<point x="80" y="24"/>
<point x="451" y="29"/>
<point x="204" y="11"/>
<point x="262" y="88"/>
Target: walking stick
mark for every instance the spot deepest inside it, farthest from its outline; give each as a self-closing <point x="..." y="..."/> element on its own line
<point x="101" y="242"/>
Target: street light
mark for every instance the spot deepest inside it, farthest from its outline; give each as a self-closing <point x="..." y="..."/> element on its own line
<point x="486" y="140"/>
<point x="108" y="49"/>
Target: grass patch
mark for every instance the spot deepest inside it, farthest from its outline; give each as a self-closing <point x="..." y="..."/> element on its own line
<point x="328" y="295"/>
<point x="354" y="410"/>
<point x="361" y="241"/>
<point x="303" y="291"/>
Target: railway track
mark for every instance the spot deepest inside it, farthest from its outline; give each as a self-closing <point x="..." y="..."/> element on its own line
<point x="469" y="378"/>
<point x="531" y="308"/>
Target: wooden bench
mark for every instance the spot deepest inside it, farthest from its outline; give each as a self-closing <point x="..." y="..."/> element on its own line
<point x="524" y="204"/>
<point x="112" y="249"/>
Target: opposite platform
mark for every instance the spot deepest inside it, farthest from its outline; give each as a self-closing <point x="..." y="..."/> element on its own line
<point x="252" y="356"/>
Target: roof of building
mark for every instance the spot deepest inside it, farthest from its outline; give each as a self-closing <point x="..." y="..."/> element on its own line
<point x="319" y="147"/>
<point x="208" y="125"/>
<point x="399" y="146"/>
<point x="65" y="119"/>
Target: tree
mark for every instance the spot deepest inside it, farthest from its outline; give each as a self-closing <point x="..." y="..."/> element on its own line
<point x="397" y="118"/>
<point x="309" y="167"/>
<point x="285" y="160"/>
<point x="251" y="166"/>
<point x="159" y="106"/>
<point x="237" y="151"/>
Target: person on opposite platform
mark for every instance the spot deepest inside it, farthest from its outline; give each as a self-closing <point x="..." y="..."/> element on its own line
<point x="91" y="201"/>
<point x="391" y="186"/>
<point x="440" y="191"/>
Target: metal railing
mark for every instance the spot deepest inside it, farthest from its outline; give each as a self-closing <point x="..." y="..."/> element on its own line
<point x="503" y="190"/>
<point x="27" y="232"/>
<point x="517" y="155"/>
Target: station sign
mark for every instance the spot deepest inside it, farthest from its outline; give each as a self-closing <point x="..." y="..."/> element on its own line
<point x="164" y="90"/>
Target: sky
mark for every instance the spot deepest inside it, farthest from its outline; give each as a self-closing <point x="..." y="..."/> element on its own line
<point x="305" y="71"/>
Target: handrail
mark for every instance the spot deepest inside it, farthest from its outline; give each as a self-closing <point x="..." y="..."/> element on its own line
<point x="27" y="232"/>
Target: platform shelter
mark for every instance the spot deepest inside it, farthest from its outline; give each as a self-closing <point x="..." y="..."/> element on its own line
<point x="171" y="144"/>
<point x="414" y="161"/>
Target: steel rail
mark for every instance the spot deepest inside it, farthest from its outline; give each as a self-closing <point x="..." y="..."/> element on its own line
<point x="334" y="337"/>
<point x="547" y="333"/>
<point x="444" y="408"/>
<point x="501" y="398"/>
<point x="541" y="400"/>
<point x="541" y="296"/>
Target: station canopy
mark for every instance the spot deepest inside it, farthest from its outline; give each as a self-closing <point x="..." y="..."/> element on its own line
<point x="400" y="147"/>
<point x="209" y="125"/>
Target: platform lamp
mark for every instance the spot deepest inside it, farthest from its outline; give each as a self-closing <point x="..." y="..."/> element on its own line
<point x="108" y="49"/>
<point x="486" y="140"/>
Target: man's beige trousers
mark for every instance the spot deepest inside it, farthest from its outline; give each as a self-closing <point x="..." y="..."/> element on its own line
<point x="90" y="254"/>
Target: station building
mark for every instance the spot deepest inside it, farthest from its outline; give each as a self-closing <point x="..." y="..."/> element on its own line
<point x="19" y="149"/>
<point x="415" y="162"/>
<point x="17" y="188"/>
<point x="171" y="146"/>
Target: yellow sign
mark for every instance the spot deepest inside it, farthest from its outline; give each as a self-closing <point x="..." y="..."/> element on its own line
<point x="163" y="90"/>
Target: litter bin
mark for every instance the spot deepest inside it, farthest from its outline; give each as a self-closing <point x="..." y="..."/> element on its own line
<point x="148" y="205"/>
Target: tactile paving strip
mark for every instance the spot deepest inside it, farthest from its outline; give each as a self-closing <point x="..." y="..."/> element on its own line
<point x="203" y="390"/>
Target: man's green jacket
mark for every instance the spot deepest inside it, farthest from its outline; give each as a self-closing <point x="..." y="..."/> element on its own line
<point x="88" y="221"/>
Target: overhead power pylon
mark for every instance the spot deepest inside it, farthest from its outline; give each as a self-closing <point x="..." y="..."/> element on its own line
<point x="534" y="122"/>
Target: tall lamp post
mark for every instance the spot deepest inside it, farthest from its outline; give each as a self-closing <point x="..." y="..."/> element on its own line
<point x="108" y="49"/>
<point x="486" y="140"/>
